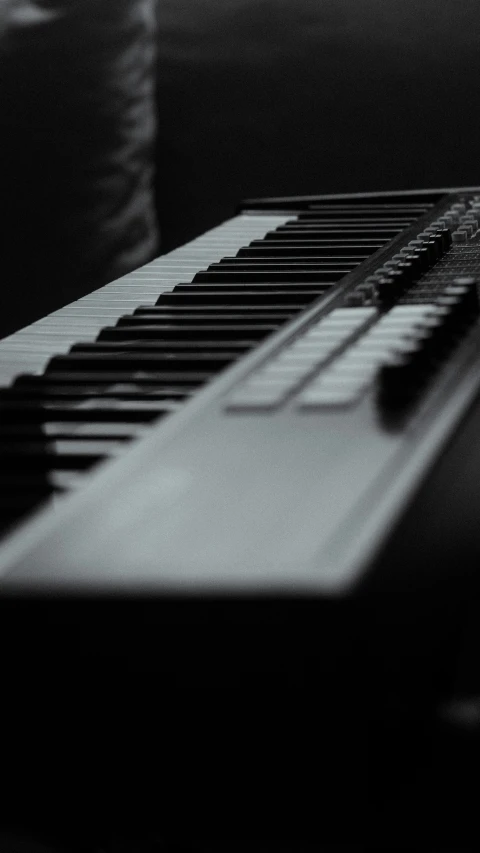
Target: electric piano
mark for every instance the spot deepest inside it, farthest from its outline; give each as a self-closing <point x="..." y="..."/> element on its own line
<point x="255" y="460"/>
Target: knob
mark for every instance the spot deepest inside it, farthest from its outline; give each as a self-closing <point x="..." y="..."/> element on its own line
<point x="468" y="229"/>
<point x="441" y="235"/>
<point x="420" y="257"/>
<point x="446" y="236"/>
<point x="389" y="285"/>
<point x="448" y="219"/>
<point x="367" y="287"/>
<point x="466" y="287"/>
<point x="454" y="310"/>
<point x="355" y="299"/>
<point x="411" y="267"/>
<point x="371" y="280"/>
<point x="418" y="248"/>
<point x="434" y="246"/>
<point x="385" y="289"/>
<point x="451" y="309"/>
<point x="427" y="341"/>
<point x="469" y="219"/>
<point x="400" y="377"/>
<point x="399" y="263"/>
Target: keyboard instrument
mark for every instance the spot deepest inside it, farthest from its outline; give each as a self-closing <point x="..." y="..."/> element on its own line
<point x="253" y="462"/>
<point x="250" y="415"/>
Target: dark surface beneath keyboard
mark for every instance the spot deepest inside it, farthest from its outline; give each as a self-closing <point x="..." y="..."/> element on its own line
<point x="400" y="783"/>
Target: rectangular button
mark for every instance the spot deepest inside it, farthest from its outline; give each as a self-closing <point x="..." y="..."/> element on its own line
<point x="312" y="343"/>
<point x="286" y="370"/>
<point x="327" y="398"/>
<point x="331" y="322"/>
<point x="246" y="399"/>
<point x="309" y="348"/>
<point x="275" y="382"/>
<point x="376" y="344"/>
<point x="361" y="313"/>
<point x="320" y="333"/>
<point x="409" y="310"/>
<point x="362" y="369"/>
<point x="304" y="360"/>
<point x="392" y="330"/>
<point x="348" y="316"/>
<point x="266" y="388"/>
<point x="340" y="381"/>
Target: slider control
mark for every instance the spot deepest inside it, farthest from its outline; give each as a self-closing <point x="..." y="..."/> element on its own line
<point x="391" y="280"/>
<point x="428" y="341"/>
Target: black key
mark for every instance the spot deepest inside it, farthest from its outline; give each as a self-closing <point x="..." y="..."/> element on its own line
<point x="24" y="485"/>
<point x="142" y="378"/>
<point x="151" y="340"/>
<point x="262" y="255"/>
<point x="49" y="444"/>
<point x="363" y="229"/>
<point x="177" y="312"/>
<point x="355" y="216"/>
<point x="149" y="350"/>
<point x="42" y="386"/>
<point x="387" y="204"/>
<point x="279" y="265"/>
<point x="22" y="491"/>
<point x="270" y="276"/>
<point x="219" y="309"/>
<point x="122" y="361"/>
<point x="226" y="315"/>
<point x="124" y="339"/>
<point x="218" y="287"/>
<point x="18" y="503"/>
<point x="135" y="327"/>
<point x="397" y="207"/>
<point x="69" y="430"/>
<point x="300" y="242"/>
<point x="48" y="455"/>
<point x="345" y="219"/>
<point x="314" y="249"/>
<point x="309" y="235"/>
<point x="18" y="499"/>
<point x="91" y="411"/>
<point x="276" y="296"/>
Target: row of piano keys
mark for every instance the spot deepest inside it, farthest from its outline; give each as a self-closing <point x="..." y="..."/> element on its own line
<point x="83" y="382"/>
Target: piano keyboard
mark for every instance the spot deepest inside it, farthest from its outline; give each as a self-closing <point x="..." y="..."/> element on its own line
<point x="29" y="350"/>
<point x="310" y="338"/>
<point x="26" y="354"/>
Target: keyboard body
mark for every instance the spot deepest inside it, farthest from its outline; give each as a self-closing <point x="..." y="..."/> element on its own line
<point x="225" y="500"/>
<point x="286" y="506"/>
<point x="250" y="574"/>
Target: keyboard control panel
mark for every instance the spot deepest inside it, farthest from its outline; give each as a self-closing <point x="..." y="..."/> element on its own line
<point x="395" y="327"/>
<point x="265" y="410"/>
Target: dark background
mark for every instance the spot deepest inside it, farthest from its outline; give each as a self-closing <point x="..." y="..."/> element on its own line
<point x="278" y="97"/>
<point x="249" y="98"/>
<point x="275" y="97"/>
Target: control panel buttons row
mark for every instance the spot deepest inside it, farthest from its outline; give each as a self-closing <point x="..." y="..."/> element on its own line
<point x="270" y="384"/>
<point x="344" y="353"/>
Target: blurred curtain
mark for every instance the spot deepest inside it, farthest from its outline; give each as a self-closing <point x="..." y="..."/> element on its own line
<point x="278" y="97"/>
<point x="77" y="142"/>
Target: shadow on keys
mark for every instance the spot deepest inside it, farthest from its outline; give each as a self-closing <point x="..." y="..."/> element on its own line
<point x="55" y="428"/>
<point x="45" y="450"/>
